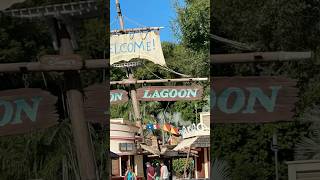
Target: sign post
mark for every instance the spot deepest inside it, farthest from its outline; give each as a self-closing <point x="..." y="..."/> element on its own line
<point x="80" y="129"/>
<point x="61" y="28"/>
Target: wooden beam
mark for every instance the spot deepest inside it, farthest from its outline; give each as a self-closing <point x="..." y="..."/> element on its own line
<point x="37" y="66"/>
<point x="259" y="57"/>
<point x="70" y="8"/>
<point x="134" y="30"/>
<point x="186" y="164"/>
<point x="134" y="81"/>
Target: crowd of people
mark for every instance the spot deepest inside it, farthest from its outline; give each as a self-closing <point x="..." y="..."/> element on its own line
<point x="159" y="172"/>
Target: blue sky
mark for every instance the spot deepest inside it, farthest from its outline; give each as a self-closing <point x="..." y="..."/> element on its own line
<point x="148" y="13"/>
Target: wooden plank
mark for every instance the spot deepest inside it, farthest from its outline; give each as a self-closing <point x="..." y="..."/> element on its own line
<point x="25" y="110"/>
<point x="96" y="103"/>
<point x="259" y="57"/>
<point x="43" y="67"/>
<point x="252" y="99"/>
<point x="170" y="93"/>
<point x="60" y="61"/>
<point x="126" y="81"/>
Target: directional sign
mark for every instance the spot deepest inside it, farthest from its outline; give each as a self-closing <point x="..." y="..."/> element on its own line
<point x="66" y="62"/>
<point x="96" y="103"/>
<point x="170" y="93"/>
<point x="25" y="110"/>
<point x="118" y="96"/>
<point x="252" y="99"/>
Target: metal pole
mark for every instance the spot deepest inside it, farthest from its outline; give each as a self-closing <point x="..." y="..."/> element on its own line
<point x="162" y="131"/>
<point x="274" y="147"/>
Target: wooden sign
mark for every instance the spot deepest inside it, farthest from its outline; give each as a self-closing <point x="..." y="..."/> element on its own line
<point x="252" y="99"/>
<point x="96" y="103"/>
<point x="25" y="110"/>
<point x="170" y="93"/>
<point x="118" y="96"/>
<point x="66" y="62"/>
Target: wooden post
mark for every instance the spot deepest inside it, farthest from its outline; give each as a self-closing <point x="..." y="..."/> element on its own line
<point x="120" y="15"/>
<point x="80" y="129"/>
<point x="135" y="102"/>
<point x="136" y="106"/>
<point x="187" y="161"/>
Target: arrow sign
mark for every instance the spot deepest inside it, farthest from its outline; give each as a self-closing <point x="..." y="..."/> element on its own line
<point x="25" y="110"/>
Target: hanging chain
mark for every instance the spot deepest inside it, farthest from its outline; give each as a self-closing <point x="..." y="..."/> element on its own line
<point x="25" y="78"/>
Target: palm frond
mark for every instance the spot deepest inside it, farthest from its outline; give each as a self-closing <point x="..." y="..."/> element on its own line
<point x="309" y="147"/>
<point x="220" y="170"/>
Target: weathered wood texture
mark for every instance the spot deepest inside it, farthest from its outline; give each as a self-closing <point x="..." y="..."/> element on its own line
<point x="65" y="65"/>
<point x="259" y="57"/>
<point x="96" y="103"/>
<point x="79" y="125"/>
<point x="115" y="99"/>
<point x="134" y="81"/>
<point x="169" y="93"/>
<point x="37" y="111"/>
<point x="284" y="104"/>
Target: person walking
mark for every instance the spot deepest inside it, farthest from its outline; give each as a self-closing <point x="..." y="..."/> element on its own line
<point x="129" y="174"/>
<point x="164" y="171"/>
<point x="157" y="171"/>
<point x="150" y="171"/>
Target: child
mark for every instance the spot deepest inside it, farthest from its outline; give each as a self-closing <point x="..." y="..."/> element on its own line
<point x="129" y="174"/>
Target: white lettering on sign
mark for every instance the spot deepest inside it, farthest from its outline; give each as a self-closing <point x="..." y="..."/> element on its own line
<point x="195" y="130"/>
<point x="172" y="93"/>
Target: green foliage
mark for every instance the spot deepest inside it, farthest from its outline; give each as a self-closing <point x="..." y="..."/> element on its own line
<point x="193" y="24"/>
<point x="49" y="153"/>
<point x="220" y="170"/>
<point x="179" y="164"/>
<point x="309" y="146"/>
<point x="39" y="155"/>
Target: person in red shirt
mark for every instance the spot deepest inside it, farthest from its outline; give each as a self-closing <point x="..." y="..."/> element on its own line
<point x="150" y="171"/>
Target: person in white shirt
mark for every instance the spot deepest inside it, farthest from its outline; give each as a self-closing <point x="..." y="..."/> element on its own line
<point x="164" y="172"/>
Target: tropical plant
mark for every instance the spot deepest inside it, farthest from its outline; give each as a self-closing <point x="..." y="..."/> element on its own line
<point x="220" y="170"/>
<point x="178" y="166"/>
<point x="309" y="146"/>
<point x="48" y="153"/>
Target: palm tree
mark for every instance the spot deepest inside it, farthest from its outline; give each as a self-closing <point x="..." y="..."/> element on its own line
<point x="309" y="147"/>
<point x="220" y="170"/>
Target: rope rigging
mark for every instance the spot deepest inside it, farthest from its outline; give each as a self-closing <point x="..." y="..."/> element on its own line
<point x="235" y="44"/>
